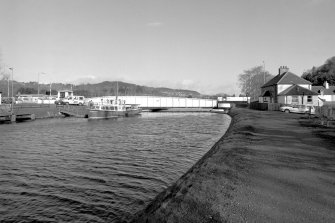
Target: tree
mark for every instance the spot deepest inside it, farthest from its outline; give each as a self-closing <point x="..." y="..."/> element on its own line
<point x="251" y="81"/>
<point x="27" y="90"/>
<point x="318" y="75"/>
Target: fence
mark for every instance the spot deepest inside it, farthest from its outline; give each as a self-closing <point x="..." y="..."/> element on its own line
<point x="327" y="111"/>
<point x="259" y="106"/>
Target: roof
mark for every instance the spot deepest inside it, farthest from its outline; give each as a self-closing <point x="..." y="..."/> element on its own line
<point x="296" y="90"/>
<point x="286" y="78"/>
<point x="65" y="90"/>
<point x="329" y="91"/>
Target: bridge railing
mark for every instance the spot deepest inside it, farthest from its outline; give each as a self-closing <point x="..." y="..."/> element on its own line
<point x="162" y="102"/>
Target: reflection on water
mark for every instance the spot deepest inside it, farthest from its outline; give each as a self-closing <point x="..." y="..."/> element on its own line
<point x="98" y="171"/>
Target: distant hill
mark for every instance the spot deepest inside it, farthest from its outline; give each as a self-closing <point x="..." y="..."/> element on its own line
<point x="110" y="88"/>
<point x="94" y="90"/>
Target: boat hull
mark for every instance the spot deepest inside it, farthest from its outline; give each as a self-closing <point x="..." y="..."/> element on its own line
<point x="220" y="111"/>
<point x="105" y="114"/>
<point x="133" y="112"/>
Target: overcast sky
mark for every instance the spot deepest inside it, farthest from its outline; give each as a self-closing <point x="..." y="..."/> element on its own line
<point x="191" y="44"/>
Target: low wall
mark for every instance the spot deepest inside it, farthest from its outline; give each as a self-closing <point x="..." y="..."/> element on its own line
<point x="259" y="106"/>
<point x="40" y="110"/>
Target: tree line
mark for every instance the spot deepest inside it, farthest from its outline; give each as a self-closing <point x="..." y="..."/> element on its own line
<point x="251" y="80"/>
<point x="325" y="72"/>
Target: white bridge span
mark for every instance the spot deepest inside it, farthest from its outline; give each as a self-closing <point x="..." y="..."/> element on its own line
<point x="160" y="102"/>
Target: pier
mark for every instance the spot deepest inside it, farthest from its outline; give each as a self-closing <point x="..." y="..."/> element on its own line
<point x="16" y="118"/>
<point x="25" y="112"/>
<point x="73" y="111"/>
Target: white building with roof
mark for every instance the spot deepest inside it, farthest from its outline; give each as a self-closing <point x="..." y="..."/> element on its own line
<point x="326" y="92"/>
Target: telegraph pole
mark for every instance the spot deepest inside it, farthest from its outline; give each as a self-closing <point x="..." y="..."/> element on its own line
<point x="264" y="71"/>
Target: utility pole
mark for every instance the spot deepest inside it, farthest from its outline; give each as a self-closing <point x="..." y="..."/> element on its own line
<point x="12" y="69"/>
<point x="12" y="107"/>
<point x="264" y="71"/>
<point x="6" y="76"/>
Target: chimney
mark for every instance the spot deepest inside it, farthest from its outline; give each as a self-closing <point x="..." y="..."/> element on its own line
<point x="326" y="85"/>
<point x="283" y="69"/>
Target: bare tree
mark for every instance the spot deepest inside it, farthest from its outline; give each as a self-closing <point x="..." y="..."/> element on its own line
<point x="251" y="81"/>
<point x="4" y="74"/>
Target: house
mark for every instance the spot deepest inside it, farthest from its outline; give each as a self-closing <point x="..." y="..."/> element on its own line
<point x="64" y="94"/>
<point x="288" y="88"/>
<point x="326" y="92"/>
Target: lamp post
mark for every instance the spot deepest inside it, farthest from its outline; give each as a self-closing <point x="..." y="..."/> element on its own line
<point x="8" y="77"/>
<point x="12" y="69"/>
<point x="264" y="72"/>
<point x="12" y="107"/>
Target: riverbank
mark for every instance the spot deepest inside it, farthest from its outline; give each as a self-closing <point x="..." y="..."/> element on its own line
<point x="269" y="167"/>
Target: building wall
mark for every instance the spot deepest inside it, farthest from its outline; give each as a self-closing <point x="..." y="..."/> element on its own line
<point x="246" y="99"/>
<point x="301" y="100"/>
<point x="64" y="94"/>
<point x="308" y="86"/>
<point x="327" y="97"/>
<point x="282" y="87"/>
<point x="264" y="99"/>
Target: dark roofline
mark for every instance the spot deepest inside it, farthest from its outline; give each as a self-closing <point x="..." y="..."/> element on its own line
<point x="279" y="77"/>
<point x="304" y="91"/>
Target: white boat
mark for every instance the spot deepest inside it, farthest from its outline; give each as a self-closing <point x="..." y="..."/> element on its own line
<point x="114" y="109"/>
<point x="220" y="110"/>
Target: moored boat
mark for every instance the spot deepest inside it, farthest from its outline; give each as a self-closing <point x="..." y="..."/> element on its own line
<point x="220" y="110"/>
<point x="113" y="109"/>
<point x="110" y="109"/>
<point x="133" y="109"/>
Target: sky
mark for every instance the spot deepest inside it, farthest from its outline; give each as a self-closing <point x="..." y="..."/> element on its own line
<point x="200" y="45"/>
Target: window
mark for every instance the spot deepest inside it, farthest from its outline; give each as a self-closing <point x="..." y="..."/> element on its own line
<point x="295" y="100"/>
<point x="309" y="99"/>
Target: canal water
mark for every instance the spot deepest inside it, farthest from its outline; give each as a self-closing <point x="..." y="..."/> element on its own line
<point x="65" y="170"/>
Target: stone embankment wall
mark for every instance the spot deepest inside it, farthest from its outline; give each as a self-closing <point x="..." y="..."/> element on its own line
<point x="40" y="110"/>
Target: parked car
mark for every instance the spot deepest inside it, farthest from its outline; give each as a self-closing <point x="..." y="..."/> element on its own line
<point x="59" y="102"/>
<point x="304" y="109"/>
<point x="74" y="100"/>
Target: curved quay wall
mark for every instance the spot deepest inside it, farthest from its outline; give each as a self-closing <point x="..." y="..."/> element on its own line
<point x="156" y="210"/>
<point x="268" y="167"/>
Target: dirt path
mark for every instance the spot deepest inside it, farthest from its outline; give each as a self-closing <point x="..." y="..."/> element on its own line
<point x="269" y="167"/>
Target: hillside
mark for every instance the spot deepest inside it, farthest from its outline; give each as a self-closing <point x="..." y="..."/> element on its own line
<point x="94" y="90"/>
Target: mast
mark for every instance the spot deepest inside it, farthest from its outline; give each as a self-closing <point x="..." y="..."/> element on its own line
<point x="117" y="89"/>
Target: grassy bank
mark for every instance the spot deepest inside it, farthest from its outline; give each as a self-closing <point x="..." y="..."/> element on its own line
<point x="269" y="166"/>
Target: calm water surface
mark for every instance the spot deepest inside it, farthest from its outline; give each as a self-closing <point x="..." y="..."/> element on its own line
<point x="62" y="170"/>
